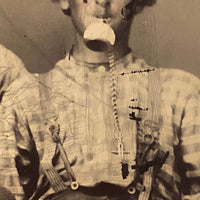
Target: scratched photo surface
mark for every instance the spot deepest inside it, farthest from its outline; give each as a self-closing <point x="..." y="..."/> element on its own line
<point x="99" y="99"/>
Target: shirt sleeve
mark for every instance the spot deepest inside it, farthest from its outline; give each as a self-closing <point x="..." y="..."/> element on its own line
<point x="18" y="152"/>
<point x="8" y="173"/>
<point x="189" y="164"/>
<point x="11" y="67"/>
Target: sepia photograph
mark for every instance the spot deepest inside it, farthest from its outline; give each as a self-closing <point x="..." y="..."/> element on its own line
<point x="99" y="100"/>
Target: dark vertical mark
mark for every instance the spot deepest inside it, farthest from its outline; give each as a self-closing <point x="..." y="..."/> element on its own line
<point x="1" y="95"/>
<point x="133" y="117"/>
<point x="71" y="51"/>
<point x="124" y="170"/>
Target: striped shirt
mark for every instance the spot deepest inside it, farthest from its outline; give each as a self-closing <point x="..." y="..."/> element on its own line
<point x="160" y="104"/>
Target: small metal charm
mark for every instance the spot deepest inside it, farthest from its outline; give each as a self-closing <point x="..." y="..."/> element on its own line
<point x="131" y="190"/>
<point x="74" y="185"/>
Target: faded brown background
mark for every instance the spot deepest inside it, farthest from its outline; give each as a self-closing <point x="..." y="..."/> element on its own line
<point x="166" y="35"/>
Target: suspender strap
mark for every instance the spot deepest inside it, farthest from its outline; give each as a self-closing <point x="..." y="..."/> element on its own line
<point x="49" y="146"/>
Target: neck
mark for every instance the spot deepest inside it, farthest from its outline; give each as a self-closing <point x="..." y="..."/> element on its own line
<point x="82" y="53"/>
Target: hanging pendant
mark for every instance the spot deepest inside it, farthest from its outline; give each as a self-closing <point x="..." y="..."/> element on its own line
<point x="120" y="147"/>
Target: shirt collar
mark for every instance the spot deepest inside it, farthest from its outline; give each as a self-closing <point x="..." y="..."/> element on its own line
<point x="95" y="67"/>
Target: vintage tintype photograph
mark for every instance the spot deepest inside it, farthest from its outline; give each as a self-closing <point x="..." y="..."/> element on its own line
<point x="99" y="100"/>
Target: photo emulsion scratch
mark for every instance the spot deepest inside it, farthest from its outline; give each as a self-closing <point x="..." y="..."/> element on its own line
<point x="102" y="123"/>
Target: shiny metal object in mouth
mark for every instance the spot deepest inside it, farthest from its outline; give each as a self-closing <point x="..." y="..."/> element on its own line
<point x="100" y="31"/>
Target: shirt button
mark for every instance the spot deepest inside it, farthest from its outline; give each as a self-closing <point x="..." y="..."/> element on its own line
<point x="101" y="68"/>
